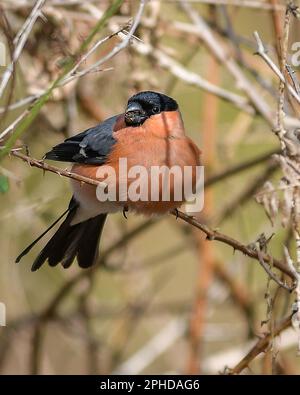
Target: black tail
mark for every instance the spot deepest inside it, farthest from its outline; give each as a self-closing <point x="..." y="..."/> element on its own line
<point x="70" y="241"/>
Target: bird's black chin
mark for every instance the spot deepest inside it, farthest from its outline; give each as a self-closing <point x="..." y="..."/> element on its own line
<point x="134" y="119"/>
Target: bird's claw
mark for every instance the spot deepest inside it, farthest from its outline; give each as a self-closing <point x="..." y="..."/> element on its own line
<point x="125" y="210"/>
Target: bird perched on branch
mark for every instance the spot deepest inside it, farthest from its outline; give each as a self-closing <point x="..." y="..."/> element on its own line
<point x="148" y="135"/>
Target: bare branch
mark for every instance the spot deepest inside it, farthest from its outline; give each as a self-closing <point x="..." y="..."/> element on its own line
<point x="236" y="245"/>
<point x="19" y="43"/>
<point x="206" y="35"/>
<point x="262" y="53"/>
<point x="191" y="78"/>
<point x="260" y="346"/>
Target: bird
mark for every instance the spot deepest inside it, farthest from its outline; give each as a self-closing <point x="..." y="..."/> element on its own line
<point x="150" y="133"/>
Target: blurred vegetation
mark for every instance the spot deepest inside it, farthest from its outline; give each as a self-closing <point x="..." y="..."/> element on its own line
<point x="152" y="280"/>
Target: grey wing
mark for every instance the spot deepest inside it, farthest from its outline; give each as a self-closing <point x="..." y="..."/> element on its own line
<point x="91" y="146"/>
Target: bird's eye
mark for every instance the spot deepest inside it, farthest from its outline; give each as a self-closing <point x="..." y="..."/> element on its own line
<point x="155" y="109"/>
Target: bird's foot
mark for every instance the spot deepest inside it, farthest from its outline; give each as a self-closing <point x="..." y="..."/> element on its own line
<point x="125" y="210"/>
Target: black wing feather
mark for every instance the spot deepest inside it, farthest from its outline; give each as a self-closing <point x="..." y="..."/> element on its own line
<point x="91" y="146"/>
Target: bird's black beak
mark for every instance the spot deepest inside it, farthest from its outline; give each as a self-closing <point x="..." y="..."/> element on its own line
<point x="134" y="114"/>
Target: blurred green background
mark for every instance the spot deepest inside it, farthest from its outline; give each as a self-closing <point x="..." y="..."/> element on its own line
<point x="152" y="282"/>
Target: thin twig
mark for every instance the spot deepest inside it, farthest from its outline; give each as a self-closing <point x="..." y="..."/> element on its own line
<point x="272" y="275"/>
<point x="19" y="43"/>
<point x="296" y="316"/>
<point x="262" y="53"/>
<point x="293" y="77"/>
<point x="283" y="47"/>
<point x="217" y="50"/>
<point x="235" y="244"/>
<point x="236" y="169"/>
<point x="167" y="62"/>
<point x="260" y="346"/>
<point x="11" y="127"/>
<point x="123" y="44"/>
<point x="40" y="164"/>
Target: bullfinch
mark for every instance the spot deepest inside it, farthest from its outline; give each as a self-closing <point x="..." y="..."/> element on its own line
<point x="149" y="134"/>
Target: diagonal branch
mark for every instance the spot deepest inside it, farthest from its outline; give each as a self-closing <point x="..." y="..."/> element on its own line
<point x="211" y="234"/>
<point x="40" y="164"/>
<point x="217" y="50"/>
<point x="261" y="346"/>
<point x="19" y="43"/>
<point x="167" y="62"/>
<point x="235" y="244"/>
<point x="262" y="53"/>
